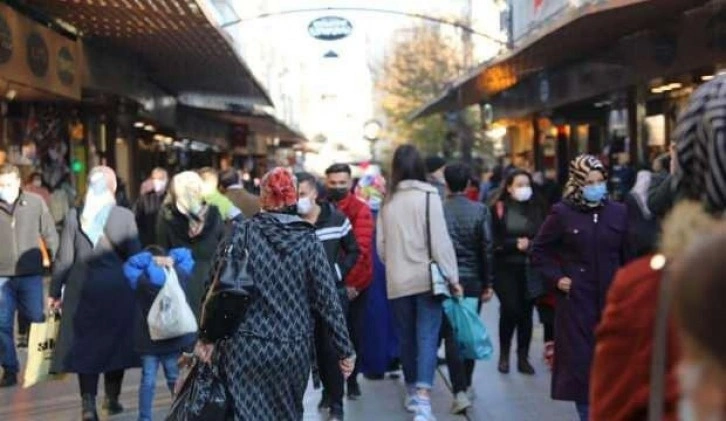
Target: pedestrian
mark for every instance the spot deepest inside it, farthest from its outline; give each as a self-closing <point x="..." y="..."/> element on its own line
<point x="187" y="221"/>
<point x="26" y="226"/>
<point x="214" y="197"/>
<point x="380" y="349"/>
<point x="660" y="193"/>
<point x="232" y="186"/>
<point x="470" y="225"/>
<point x="517" y="217"/>
<point x="621" y="372"/>
<point x="61" y="200"/>
<point x="147" y="206"/>
<point x="435" y="173"/>
<point x="698" y="291"/>
<point x="122" y="196"/>
<point x="580" y="246"/>
<point x="643" y="224"/>
<point x="266" y="363"/>
<point x="401" y="239"/>
<point x="96" y="333"/>
<point x="339" y="183"/>
<point x="35" y="185"/>
<point x="335" y="232"/>
<point x="146" y="275"/>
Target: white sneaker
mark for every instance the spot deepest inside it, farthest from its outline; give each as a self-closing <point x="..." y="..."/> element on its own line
<point x="424" y="412"/>
<point x="461" y="403"/>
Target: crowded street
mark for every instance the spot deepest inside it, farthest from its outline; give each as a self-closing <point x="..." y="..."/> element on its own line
<point x="331" y="210"/>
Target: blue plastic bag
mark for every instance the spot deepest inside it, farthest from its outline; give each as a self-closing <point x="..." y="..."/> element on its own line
<point x="470" y="333"/>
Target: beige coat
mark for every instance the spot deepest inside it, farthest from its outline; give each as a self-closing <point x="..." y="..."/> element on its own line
<point x="401" y="240"/>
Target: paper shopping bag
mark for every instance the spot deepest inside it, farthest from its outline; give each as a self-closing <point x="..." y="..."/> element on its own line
<point x="41" y="347"/>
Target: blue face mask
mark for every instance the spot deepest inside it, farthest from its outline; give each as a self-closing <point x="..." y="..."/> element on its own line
<point x="595" y="193"/>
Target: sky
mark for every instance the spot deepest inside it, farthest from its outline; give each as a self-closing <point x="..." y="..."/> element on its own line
<point x="334" y="97"/>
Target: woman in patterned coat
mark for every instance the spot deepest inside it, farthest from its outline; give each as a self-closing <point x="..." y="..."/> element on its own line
<point x="266" y="365"/>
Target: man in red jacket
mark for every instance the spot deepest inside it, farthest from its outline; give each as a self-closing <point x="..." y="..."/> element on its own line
<point x="339" y="183"/>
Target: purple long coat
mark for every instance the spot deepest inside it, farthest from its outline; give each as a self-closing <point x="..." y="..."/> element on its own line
<point x="588" y="247"/>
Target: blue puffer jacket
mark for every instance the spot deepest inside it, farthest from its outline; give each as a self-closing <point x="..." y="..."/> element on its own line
<point x="147" y="279"/>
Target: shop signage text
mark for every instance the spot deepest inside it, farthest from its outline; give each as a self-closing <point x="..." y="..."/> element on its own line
<point x="330" y="28"/>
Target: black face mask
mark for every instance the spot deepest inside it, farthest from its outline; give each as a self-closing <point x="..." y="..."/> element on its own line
<point x="337" y="194"/>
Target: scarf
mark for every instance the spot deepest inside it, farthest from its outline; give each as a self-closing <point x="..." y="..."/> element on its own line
<point x="700" y="137"/>
<point x="196" y="222"/>
<point x="97" y="206"/>
<point x="580" y="167"/>
<point x="640" y="192"/>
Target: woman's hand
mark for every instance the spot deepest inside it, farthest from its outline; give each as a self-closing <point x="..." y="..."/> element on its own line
<point x="204" y="352"/>
<point x="487" y="295"/>
<point x="523" y="244"/>
<point x="457" y="290"/>
<point x="564" y="285"/>
<point x="163" y="261"/>
<point x="55" y="304"/>
<point x="347" y="366"/>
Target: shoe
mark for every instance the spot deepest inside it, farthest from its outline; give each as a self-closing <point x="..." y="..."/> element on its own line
<point x="324" y="404"/>
<point x="9" y="379"/>
<point x="336" y="414"/>
<point x="22" y="341"/>
<point x="409" y="402"/>
<point x="525" y="367"/>
<point x="354" y="391"/>
<point x="89" y="408"/>
<point x="423" y="411"/>
<point x="112" y="406"/>
<point x="461" y="403"/>
<point x="503" y="366"/>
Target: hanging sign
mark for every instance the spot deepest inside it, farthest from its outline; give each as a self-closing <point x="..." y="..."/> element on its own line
<point x="330" y="28"/>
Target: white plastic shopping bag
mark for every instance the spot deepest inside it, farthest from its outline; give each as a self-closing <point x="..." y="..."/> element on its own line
<point x="170" y="315"/>
<point x="41" y="347"/>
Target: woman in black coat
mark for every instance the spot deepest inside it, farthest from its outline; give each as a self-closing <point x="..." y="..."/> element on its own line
<point x="97" y="304"/>
<point x="517" y="216"/>
<point x="185" y="221"/>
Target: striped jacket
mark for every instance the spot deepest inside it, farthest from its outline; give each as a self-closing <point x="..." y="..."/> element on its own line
<point x="335" y="231"/>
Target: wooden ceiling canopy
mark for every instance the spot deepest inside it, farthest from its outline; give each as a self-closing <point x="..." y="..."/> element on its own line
<point x="174" y="39"/>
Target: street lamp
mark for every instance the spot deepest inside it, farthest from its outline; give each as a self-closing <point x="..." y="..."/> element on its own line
<point x="371" y="132"/>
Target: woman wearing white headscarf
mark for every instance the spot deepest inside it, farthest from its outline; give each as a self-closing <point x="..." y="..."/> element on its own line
<point x="185" y="220"/>
<point x="643" y="224"/>
<point x="90" y="289"/>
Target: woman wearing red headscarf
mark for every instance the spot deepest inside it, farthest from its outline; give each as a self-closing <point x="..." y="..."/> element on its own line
<point x="266" y="364"/>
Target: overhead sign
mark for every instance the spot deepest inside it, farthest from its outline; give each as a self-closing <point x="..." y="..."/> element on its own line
<point x="330" y="28"/>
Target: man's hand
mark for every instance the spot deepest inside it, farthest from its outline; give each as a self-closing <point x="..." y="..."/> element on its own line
<point x="457" y="290"/>
<point x="55" y="304"/>
<point x="523" y="244"/>
<point x="204" y="352"/>
<point x="163" y="261"/>
<point x="352" y="293"/>
<point x="487" y="295"/>
<point x="347" y="366"/>
<point x="565" y="285"/>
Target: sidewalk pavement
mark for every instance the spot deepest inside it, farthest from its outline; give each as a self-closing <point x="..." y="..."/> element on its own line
<point x="499" y="397"/>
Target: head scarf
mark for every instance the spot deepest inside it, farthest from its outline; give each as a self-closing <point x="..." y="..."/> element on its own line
<point x="372" y="189"/>
<point x="700" y="137"/>
<point x="100" y="199"/>
<point x="580" y="167"/>
<point x="186" y="196"/>
<point x="640" y="191"/>
<point x="278" y="190"/>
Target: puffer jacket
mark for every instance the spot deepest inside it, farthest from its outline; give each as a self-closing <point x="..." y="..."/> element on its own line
<point x="359" y="214"/>
<point x="470" y="227"/>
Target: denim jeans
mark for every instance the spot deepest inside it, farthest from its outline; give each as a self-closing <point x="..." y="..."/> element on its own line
<point x="418" y="321"/>
<point x="149" y="367"/>
<point x="24" y="294"/>
<point x="583" y="410"/>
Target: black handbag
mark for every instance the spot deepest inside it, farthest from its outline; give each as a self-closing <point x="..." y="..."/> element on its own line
<point x="203" y="397"/>
<point x="230" y="294"/>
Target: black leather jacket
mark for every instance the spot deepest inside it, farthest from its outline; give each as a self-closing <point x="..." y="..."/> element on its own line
<point x="470" y="227"/>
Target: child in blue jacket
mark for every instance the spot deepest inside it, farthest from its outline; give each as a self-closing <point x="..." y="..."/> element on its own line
<point x="145" y="273"/>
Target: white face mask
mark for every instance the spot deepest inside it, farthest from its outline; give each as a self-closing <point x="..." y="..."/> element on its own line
<point x="522" y="194"/>
<point x="159" y="185"/>
<point x="304" y="206"/>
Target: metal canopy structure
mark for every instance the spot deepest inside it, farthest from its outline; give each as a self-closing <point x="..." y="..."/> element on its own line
<point x="582" y="31"/>
<point x="174" y="39"/>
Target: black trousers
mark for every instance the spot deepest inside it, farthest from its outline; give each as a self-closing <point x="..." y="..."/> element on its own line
<point x="23" y="325"/>
<point x="356" y="318"/>
<point x="461" y="370"/>
<point x="329" y="368"/>
<point x="111" y="381"/>
<point x="516" y="309"/>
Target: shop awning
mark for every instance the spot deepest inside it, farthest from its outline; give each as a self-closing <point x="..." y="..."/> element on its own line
<point x="183" y="50"/>
<point x="580" y="31"/>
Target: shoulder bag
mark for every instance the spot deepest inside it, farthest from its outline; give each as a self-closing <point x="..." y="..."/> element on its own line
<point x="437" y="277"/>
<point x="230" y="294"/>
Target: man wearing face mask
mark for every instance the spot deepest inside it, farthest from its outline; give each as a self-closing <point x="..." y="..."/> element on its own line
<point x="335" y="232"/>
<point x="339" y="183"/>
<point x="24" y="218"/>
<point x="148" y="205"/>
